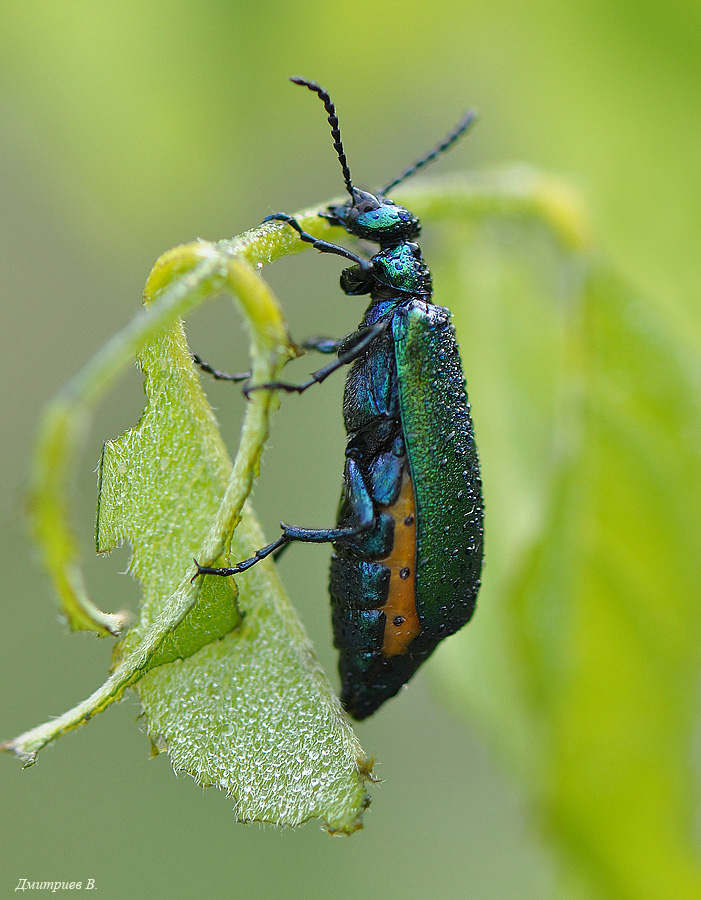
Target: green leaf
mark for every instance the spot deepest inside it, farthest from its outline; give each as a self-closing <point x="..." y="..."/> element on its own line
<point x="250" y="712"/>
<point x="233" y="692"/>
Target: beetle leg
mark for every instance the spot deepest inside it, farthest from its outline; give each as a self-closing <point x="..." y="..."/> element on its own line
<point x="364" y="519"/>
<point x="354" y="346"/>
<point x="321" y="246"/>
<point x="289" y="534"/>
<point x="280" y="550"/>
<point x="319" y="344"/>
<point x="246" y="563"/>
<point x="216" y="374"/>
<point x="322" y="344"/>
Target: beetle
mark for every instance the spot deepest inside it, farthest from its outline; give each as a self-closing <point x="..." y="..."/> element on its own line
<point x="408" y="542"/>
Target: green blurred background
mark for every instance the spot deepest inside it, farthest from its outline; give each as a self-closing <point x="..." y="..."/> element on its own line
<point x="126" y="128"/>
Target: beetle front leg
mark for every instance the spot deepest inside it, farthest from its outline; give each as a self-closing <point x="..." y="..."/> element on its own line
<point x="321" y="246"/>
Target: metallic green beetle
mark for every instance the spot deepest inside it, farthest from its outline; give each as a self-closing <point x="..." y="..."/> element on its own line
<point x="407" y="558"/>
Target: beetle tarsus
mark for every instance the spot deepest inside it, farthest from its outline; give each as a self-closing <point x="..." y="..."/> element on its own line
<point x="216" y="374"/>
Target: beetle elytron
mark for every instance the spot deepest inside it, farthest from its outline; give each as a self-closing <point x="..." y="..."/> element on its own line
<point x="407" y="558"/>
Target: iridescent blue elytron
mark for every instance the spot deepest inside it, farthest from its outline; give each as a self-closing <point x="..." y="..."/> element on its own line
<point x="407" y="557"/>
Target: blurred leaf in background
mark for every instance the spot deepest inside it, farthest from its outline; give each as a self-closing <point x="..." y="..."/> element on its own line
<point x="583" y="662"/>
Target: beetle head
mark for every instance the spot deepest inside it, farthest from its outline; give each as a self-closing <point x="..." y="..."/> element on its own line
<point x="375" y="218"/>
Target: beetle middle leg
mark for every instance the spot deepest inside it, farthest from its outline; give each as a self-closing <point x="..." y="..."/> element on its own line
<point x="216" y="374"/>
<point x="351" y="347"/>
<point x="324" y="345"/>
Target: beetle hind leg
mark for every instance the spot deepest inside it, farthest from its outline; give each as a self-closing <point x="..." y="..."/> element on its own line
<point x="289" y="534"/>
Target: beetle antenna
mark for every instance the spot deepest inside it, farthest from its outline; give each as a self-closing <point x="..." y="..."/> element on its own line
<point x="335" y="130"/>
<point x="467" y="121"/>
